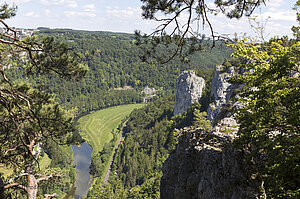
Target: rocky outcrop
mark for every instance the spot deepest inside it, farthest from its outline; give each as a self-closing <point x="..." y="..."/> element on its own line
<point x="188" y="90"/>
<point x="221" y="91"/>
<point x="221" y="112"/>
<point x="204" y="165"/>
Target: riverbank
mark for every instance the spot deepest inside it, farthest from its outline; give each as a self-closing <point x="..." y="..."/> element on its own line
<point x="100" y="128"/>
<point x="102" y="162"/>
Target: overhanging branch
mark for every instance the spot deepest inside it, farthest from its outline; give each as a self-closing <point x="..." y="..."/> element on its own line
<point x="15" y="185"/>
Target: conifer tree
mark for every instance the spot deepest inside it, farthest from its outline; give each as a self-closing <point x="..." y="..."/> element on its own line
<point x="181" y="36"/>
<point x="29" y="116"/>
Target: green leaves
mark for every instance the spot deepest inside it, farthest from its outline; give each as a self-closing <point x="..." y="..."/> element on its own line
<point x="269" y="127"/>
<point x="48" y="54"/>
<point x="28" y="116"/>
<point x="199" y="120"/>
<point x="7" y="12"/>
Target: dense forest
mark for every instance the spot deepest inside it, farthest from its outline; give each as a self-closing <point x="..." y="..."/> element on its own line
<point x="116" y="74"/>
<point x="150" y="136"/>
<point x="39" y="104"/>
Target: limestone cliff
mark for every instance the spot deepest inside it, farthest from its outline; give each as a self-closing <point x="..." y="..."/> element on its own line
<point x="188" y="90"/>
<point x="204" y="165"/>
<point x="221" y="111"/>
<point x="221" y="91"/>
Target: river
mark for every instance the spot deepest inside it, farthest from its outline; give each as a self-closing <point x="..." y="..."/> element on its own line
<point x="82" y="159"/>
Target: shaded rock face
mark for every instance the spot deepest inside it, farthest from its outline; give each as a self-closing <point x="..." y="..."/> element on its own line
<point x="204" y="165"/>
<point x="188" y="90"/>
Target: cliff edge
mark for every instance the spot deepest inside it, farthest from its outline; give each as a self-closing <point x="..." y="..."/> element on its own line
<point x="204" y="164"/>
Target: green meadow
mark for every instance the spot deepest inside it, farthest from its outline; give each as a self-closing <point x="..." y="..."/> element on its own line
<point x="5" y="171"/>
<point x="44" y="162"/>
<point x="96" y="127"/>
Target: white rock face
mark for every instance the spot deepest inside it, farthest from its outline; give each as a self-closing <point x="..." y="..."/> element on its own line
<point x="205" y="164"/>
<point x="188" y="90"/>
<point x="221" y="91"/>
<point x="222" y="111"/>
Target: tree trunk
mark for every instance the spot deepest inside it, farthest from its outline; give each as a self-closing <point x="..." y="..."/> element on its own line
<point x="32" y="187"/>
<point x="2" y="189"/>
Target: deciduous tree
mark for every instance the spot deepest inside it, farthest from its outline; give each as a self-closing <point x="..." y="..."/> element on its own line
<point x="269" y="123"/>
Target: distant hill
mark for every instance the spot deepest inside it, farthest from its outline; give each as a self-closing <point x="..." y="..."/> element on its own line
<point x="117" y="65"/>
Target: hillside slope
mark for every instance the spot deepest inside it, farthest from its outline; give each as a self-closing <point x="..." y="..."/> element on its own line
<point x="116" y="74"/>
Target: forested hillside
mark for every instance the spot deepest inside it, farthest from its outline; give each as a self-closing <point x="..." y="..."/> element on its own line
<point x="116" y="76"/>
<point x="49" y="78"/>
<point x="115" y="64"/>
<point x="150" y="136"/>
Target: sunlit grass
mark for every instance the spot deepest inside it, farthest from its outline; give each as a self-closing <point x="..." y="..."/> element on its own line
<point x="5" y="171"/>
<point x="44" y="162"/>
<point x="96" y="127"/>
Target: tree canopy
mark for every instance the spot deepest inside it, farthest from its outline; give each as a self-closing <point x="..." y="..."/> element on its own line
<point x="269" y="123"/>
<point x="116" y="75"/>
<point x="28" y="116"/>
<point x="183" y="38"/>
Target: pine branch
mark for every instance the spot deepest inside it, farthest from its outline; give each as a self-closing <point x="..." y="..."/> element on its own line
<point x="15" y="185"/>
<point x="47" y="196"/>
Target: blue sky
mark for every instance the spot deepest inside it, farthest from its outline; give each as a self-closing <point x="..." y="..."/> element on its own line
<point x="125" y="16"/>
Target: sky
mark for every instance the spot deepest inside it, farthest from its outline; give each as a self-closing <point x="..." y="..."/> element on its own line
<point x="125" y="16"/>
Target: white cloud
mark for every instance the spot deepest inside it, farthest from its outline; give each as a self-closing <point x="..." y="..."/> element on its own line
<point x="89" y="8"/>
<point x="31" y="14"/>
<point x="79" y="14"/>
<point x="274" y="3"/>
<point x="211" y="5"/>
<point x="279" y="24"/>
<point x="20" y="1"/>
<point x="67" y="3"/>
<point x="52" y="2"/>
<point x="280" y="15"/>
<point x="273" y="9"/>
<point x="72" y="4"/>
<point x="129" y="12"/>
<point x="47" y="12"/>
<point x="45" y="2"/>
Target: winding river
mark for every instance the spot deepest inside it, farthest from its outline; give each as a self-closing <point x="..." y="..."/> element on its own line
<point x="82" y="160"/>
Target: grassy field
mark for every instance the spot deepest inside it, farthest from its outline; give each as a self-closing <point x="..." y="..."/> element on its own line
<point x="44" y="162"/>
<point x="95" y="128"/>
<point x="5" y="171"/>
